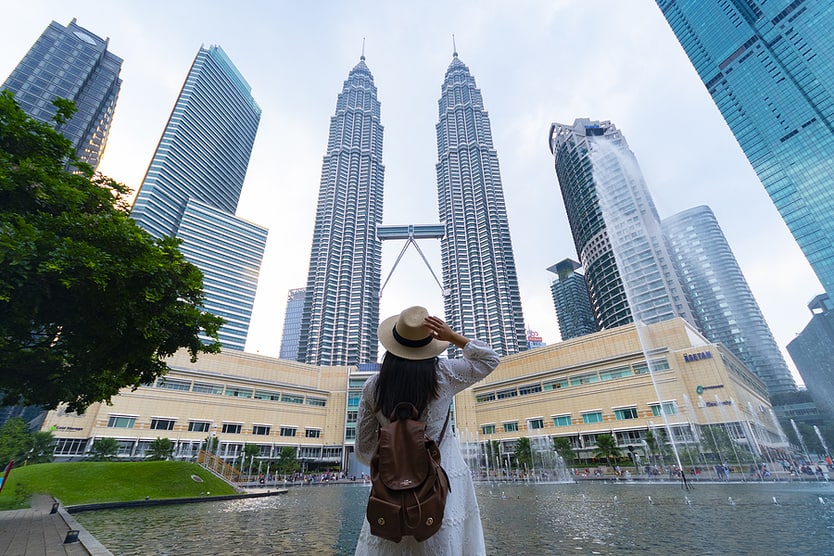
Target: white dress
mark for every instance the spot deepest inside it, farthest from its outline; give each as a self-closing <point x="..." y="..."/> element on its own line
<point x="461" y="533"/>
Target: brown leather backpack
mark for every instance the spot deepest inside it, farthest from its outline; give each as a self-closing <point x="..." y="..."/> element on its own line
<point x="408" y="485"/>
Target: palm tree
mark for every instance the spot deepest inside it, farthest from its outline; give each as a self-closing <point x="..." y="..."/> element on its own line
<point x="606" y="448"/>
<point x="43" y="445"/>
<point x="160" y="449"/>
<point x="523" y="452"/>
<point x="104" y="449"/>
<point x="564" y="448"/>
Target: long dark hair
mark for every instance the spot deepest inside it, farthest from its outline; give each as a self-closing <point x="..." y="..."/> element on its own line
<point x="405" y="380"/>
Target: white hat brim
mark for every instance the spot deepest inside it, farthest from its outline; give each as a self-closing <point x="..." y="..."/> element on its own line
<point x="385" y="332"/>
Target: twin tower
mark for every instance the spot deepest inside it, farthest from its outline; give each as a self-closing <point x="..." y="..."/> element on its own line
<point x="480" y="284"/>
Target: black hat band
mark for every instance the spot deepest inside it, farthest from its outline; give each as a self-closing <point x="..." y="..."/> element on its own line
<point x="411" y="343"/>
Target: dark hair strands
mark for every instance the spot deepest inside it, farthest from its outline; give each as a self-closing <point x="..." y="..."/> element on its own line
<point x="405" y="380"/>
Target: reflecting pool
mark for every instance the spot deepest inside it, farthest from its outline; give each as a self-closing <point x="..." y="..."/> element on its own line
<point x="581" y="518"/>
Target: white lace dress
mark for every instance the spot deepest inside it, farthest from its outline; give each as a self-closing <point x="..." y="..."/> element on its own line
<point x="461" y="533"/>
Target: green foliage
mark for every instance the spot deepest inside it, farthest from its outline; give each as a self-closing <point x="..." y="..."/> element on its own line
<point x="287" y="461"/>
<point x="89" y="482"/>
<point x="43" y="446"/>
<point x="89" y="302"/>
<point x="563" y="447"/>
<point x="523" y="452"/>
<point x="15" y="442"/>
<point x="160" y="450"/>
<point x="607" y="448"/>
<point x="104" y="449"/>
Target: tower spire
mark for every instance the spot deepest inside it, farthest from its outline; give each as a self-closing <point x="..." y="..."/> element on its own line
<point x="362" y="57"/>
<point x="454" y="47"/>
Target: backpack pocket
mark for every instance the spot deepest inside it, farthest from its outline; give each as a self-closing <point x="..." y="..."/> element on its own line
<point x="384" y="519"/>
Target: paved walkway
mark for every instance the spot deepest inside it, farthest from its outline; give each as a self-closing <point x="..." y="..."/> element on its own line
<point x="37" y="532"/>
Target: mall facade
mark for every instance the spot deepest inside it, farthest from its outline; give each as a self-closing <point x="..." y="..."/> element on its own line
<point x="601" y="383"/>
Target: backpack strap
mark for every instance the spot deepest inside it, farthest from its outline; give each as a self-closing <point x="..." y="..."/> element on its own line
<point x="446" y="424"/>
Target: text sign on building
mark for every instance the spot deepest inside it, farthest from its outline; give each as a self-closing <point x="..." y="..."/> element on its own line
<point x="690" y="357"/>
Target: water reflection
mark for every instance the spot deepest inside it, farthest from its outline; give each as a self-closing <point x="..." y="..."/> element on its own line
<point x="582" y="518"/>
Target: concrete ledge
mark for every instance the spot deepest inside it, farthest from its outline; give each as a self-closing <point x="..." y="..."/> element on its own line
<point x="168" y="501"/>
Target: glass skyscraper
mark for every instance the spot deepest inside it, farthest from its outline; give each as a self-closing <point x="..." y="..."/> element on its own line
<point x="724" y="306"/>
<point x="292" y="324"/>
<point x="72" y="63"/>
<point x="341" y="308"/>
<point x="594" y="163"/>
<point x="572" y="301"/>
<point x="769" y="66"/>
<point x="193" y="184"/>
<point x="482" y="297"/>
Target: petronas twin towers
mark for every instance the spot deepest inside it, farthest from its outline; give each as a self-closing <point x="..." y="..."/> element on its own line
<point x="341" y="308"/>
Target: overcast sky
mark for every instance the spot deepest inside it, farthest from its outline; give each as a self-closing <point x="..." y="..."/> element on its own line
<point x="536" y="62"/>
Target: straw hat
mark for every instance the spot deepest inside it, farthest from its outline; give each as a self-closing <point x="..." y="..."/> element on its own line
<point x="406" y="335"/>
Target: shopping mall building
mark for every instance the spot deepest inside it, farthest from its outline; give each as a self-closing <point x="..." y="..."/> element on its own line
<point x="627" y="381"/>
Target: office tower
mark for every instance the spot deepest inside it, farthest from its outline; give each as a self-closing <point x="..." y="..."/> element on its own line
<point x="193" y="184"/>
<point x="72" y="63"/>
<point x="594" y="166"/>
<point x="813" y="353"/>
<point x="722" y="301"/>
<point x="572" y="301"/>
<point x="341" y="310"/>
<point x="768" y="67"/>
<point x="482" y="298"/>
<point x="292" y="324"/>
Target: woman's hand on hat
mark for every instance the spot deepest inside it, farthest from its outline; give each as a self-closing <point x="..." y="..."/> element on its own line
<point x="443" y="332"/>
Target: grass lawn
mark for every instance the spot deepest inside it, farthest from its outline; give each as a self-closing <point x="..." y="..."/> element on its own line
<point x="89" y="482"/>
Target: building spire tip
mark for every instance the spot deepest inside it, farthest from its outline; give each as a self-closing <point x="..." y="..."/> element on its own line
<point x="362" y="57"/>
<point x="454" y="47"/>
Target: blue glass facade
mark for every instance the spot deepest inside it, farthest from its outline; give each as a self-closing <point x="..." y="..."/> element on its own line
<point x="193" y="184"/>
<point x="292" y="324"/>
<point x="71" y="62"/>
<point x="724" y="306"/>
<point x="769" y="66"/>
<point x="479" y="270"/>
<point x="572" y="300"/>
<point x="341" y="309"/>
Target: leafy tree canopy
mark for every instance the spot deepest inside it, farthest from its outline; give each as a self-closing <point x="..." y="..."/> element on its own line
<point x="104" y="449"/>
<point x="160" y="449"/>
<point x="89" y="302"/>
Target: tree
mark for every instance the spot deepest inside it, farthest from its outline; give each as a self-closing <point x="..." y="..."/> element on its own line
<point x="564" y="448"/>
<point x="89" y="302"/>
<point x="160" y="449"/>
<point x="15" y="442"/>
<point x="607" y="448"/>
<point x="523" y="452"/>
<point x="287" y="462"/>
<point x="43" y="447"/>
<point x="104" y="449"/>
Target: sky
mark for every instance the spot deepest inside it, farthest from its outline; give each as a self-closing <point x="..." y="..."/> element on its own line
<point x="535" y="61"/>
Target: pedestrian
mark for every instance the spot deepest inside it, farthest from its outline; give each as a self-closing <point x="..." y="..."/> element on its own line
<point x="412" y="372"/>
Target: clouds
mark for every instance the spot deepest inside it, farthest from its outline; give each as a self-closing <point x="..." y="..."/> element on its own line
<point x="536" y="62"/>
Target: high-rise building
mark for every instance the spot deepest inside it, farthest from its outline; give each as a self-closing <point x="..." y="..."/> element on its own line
<point x="722" y="301"/>
<point x="292" y="324"/>
<point x="482" y="297"/>
<point x="620" y="244"/>
<point x="572" y="301"/>
<point x="813" y="353"/>
<point x="72" y="63"/>
<point x="341" y="308"/>
<point x="768" y="67"/>
<point x="193" y="184"/>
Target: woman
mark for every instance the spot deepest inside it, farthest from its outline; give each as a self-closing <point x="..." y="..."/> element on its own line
<point x="412" y="372"/>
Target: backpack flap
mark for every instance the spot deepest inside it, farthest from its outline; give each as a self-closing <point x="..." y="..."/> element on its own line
<point x="401" y="469"/>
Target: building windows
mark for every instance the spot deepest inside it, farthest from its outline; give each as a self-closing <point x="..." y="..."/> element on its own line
<point x="162" y="424"/>
<point x="199" y="426"/>
<point x="534" y="424"/>
<point x="504" y="394"/>
<point x="511" y="427"/>
<point x="121" y="422"/>
<point x="668" y="408"/>
<point x="288" y="431"/>
<point x="561" y="420"/>
<point x="317" y="402"/>
<point x="173" y="384"/>
<point x="625" y="413"/>
<point x="529" y="389"/>
<point x="350" y="433"/>
<point x="70" y="446"/>
<point x="487" y="397"/>
<point x="261" y="430"/>
<point x="231" y="428"/>
<point x="488" y="429"/>
<point x="205" y="388"/>
<point x="353" y="399"/>
<point x="236" y="392"/>
<point x="291" y="398"/>
<point x="312" y="433"/>
<point x="611" y="374"/>
<point x="592" y="417"/>
<point x="555" y="384"/>
<point x="265" y="395"/>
